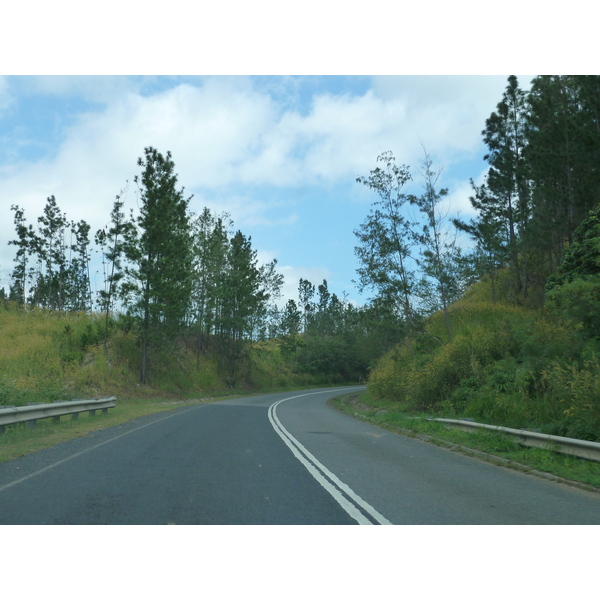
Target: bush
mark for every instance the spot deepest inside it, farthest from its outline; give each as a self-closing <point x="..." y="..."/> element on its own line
<point x="575" y="390"/>
<point x="428" y="377"/>
<point x="505" y="366"/>
<point x="579" y="301"/>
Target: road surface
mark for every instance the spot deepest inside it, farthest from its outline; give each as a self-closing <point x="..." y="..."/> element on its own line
<point x="285" y="458"/>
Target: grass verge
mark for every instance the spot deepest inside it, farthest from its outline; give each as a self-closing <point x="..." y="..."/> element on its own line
<point x="488" y="445"/>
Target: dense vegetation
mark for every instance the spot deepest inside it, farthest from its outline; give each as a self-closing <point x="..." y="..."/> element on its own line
<point x="185" y="308"/>
<point x="507" y="332"/>
<point x="520" y="346"/>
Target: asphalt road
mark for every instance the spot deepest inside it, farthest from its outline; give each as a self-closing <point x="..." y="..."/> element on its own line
<point x="272" y="459"/>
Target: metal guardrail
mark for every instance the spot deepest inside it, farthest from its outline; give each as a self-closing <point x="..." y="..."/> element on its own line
<point x="564" y="445"/>
<point x="30" y="414"/>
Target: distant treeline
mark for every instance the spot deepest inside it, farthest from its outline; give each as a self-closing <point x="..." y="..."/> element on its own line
<point x="182" y="278"/>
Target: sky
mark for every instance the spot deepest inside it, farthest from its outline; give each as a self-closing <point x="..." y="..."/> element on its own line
<point x="270" y="113"/>
<point x="280" y="154"/>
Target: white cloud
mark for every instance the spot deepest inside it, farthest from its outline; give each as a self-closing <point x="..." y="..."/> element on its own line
<point x="227" y="136"/>
<point x="208" y="130"/>
<point x="447" y="113"/>
<point x="246" y="211"/>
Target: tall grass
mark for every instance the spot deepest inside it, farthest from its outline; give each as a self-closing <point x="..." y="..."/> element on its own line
<point x="47" y="355"/>
<point x="506" y="365"/>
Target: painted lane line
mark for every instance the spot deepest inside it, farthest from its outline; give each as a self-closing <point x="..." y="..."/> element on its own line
<point x="339" y="498"/>
<point x="308" y="458"/>
<point x="340" y="491"/>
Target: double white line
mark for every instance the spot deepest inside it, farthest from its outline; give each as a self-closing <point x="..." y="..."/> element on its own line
<point x="362" y="512"/>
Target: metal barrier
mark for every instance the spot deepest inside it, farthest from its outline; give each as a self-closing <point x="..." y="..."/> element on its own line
<point x="565" y="445"/>
<point x="30" y="414"/>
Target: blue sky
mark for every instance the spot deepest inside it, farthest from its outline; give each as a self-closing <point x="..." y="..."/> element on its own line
<point x="279" y="154"/>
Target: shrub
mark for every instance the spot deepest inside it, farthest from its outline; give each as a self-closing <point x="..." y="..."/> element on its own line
<point x="576" y="390"/>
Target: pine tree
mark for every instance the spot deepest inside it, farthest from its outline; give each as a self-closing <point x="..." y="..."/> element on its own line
<point x="242" y="298"/>
<point x="49" y="246"/>
<point x="18" y="288"/>
<point x="159" y="251"/>
<point x="267" y="313"/>
<point x="113" y="245"/>
<point x="563" y="152"/>
<point x="306" y="291"/>
<point x="490" y="233"/>
<point x="78" y="290"/>
<point x="289" y="326"/>
<point x="210" y="249"/>
<point x="242" y="292"/>
<point x="508" y="178"/>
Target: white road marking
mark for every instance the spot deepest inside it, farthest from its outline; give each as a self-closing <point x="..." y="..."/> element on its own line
<point x="324" y="476"/>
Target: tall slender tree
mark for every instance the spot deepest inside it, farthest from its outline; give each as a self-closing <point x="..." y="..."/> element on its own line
<point x="48" y="243"/>
<point x="490" y="233"/>
<point x="439" y="252"/>
<point x="159" y="250"/>
<point x="306" y="291"/>
<point x="508" y="178"/>
<point x="113" y="243"/>
<point x="563" y="152"/>
<point x="18" y="289"/>
<point x="386" y="238"/>
<point x="210" y="235"/>
<point x="78" y="293"/>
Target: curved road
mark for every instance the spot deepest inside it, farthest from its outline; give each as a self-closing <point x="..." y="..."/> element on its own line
<point x="282" y="458"/>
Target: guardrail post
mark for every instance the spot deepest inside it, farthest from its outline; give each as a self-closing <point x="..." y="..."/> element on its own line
<point x="74" y="416"/>
<point x="92" y="413"/>
<point x="30" y="424"/>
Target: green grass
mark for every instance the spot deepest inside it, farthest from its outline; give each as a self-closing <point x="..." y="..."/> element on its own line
<point x="489" y="445"/>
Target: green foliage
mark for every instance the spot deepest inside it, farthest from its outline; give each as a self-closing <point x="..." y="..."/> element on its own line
<point x="573" y="291"/>
<point x="52" y="279"/>
<point x="510" y="361"/>
<point x="576" y="389"/>
<point x="578" y="300"/>
<point x="563" y="154"/>
<point x="9" y="393"/>
<point x="386" y="237"/>
<point x="158" y="249"/>
<point x="505" y="365"/>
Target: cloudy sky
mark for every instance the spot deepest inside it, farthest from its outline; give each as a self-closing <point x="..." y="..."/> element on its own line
<point x="279" y="154"/>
